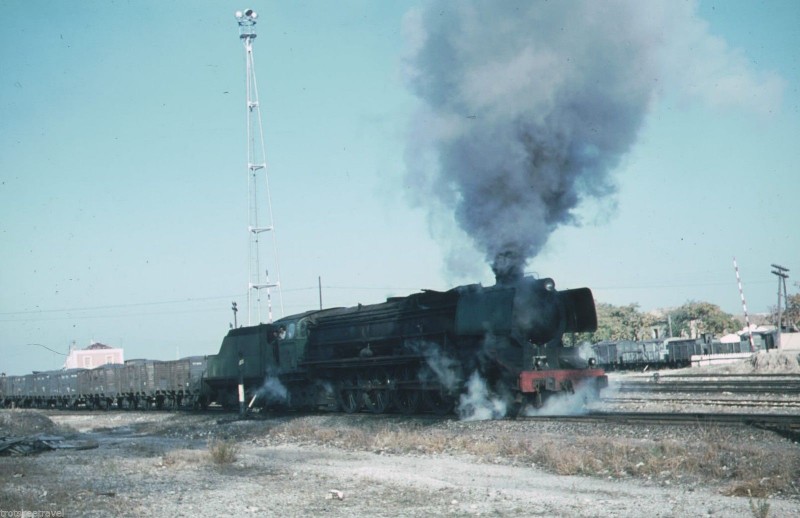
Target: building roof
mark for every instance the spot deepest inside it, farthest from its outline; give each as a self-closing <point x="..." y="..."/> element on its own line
<point x="97" y="345"/>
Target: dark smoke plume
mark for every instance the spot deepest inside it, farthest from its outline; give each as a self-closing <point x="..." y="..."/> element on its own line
<point x="534" y="102"/>
<point x="530" y="105"/>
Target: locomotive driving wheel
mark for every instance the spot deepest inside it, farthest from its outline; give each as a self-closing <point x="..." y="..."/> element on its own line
<point x="378" y="387"/>
<point x="438" y="402"/>
<point x="349" y="396"/>
<point x="406" y="398"/>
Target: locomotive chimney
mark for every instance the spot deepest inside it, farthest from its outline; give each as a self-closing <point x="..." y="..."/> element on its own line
<point x="508" y="267"/>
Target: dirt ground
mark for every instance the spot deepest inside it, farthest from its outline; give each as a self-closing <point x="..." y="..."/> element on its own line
<point x="166" y="464"/>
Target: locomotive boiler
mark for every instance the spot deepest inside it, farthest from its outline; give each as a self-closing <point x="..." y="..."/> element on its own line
<point x="415" y="353"/>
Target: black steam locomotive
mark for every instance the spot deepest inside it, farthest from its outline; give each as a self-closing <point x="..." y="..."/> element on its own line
<point x="409" y="354"/>
<point x="413" y="353"/>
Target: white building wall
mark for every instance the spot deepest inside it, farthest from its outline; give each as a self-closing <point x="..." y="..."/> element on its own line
<point x="790" y="341"/>
<point x="91" y="358"/>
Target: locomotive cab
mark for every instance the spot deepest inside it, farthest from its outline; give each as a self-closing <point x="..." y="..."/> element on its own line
<point x="288" y="342"/>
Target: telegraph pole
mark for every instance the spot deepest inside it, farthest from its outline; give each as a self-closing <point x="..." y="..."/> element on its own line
<point x="780" y="272"/>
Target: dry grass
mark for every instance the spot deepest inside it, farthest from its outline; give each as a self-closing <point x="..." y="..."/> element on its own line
<point x="223" y="452"/>
<point x="28" y="484"/>
<point x="21" y="497"/>
<point x="177" y="459"/>
<point x="759" y="508"/>
<point x="709" y="457"/>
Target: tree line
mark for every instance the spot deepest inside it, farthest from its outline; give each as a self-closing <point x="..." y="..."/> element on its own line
<point x="693" y="319"/>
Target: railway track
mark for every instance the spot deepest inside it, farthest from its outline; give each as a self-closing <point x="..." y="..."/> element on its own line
<point x="662" y="376"/>
<point x="731" y="403"/>
<point x="767" y="421"/>
<point x="787" y="425"/>
<point x="733" y="385"/>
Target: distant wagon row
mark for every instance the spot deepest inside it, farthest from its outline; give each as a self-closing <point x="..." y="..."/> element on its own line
<point x="134" y="384"/>
<point x="669" y="353"/>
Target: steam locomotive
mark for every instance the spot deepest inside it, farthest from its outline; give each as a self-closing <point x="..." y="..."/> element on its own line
<point x="409" y="354"/>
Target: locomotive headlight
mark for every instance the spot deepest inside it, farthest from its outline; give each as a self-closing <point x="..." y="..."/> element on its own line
<point x="592" y="362"/>
<point x="549" y="285"/>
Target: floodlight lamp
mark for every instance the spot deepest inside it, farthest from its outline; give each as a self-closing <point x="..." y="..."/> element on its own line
<point x="250" y="13"/>
<point x="238" y="15"/>
<point x="254" y="15"/>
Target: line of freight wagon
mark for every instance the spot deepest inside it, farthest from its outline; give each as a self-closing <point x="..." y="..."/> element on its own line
<point x="672" y="353"/>
<point x="136" y="384"/>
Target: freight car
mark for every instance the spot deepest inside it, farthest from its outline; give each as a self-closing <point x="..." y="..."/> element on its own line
<point x="413" y="353"/>
<point x="134" y="384"/>
<point x="47" y="389"/>
<point x="671" y="353"/>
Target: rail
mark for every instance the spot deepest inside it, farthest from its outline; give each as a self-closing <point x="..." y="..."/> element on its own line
<point x="784" y="424"/>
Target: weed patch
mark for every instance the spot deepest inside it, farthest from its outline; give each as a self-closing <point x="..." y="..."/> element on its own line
<point x="223" y="452"/>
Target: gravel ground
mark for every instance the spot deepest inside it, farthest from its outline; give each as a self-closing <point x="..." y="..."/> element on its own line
<point x="160" y="464"/>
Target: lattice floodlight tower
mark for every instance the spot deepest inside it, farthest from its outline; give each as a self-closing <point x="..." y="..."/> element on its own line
<point x="263" y="253"/>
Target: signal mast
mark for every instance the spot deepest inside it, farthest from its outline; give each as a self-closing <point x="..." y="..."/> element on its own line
<point x="260" y="202"/>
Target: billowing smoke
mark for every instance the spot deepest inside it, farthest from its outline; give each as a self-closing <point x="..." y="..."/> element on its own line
<point x="564" y="403"/>
<point x="441" y="368"/>
<point x="528" y="106"/>
<point x="479" y="404"/>
<point x="272" y="391"/>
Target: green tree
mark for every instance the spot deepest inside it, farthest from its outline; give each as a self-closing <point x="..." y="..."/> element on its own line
<point x="620" y="323"/>
<point x="790" y="317"/>
<point x="701" y="318"/>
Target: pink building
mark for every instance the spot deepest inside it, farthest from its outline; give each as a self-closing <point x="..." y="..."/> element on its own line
<point x="93" y="356"/>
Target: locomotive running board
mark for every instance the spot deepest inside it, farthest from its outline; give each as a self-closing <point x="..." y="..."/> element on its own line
<point x="370" y="361"/>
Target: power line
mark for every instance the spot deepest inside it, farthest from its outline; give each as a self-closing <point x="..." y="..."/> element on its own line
<point x="180" y="301"/>
<point x="51" y="350"/>
<point x="110" y="316"/>
<point x="118" y="306"/>
<point x="664" y="286"/>
<point x="38" y="314"/>
<point x="107" y="316"/>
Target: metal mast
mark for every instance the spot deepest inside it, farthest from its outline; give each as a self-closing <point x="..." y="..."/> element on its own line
<point x="263" y="262"/>
<point x="780" y="272"/>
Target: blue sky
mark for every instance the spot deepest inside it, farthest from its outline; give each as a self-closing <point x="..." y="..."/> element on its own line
<point x="123" y="185"/>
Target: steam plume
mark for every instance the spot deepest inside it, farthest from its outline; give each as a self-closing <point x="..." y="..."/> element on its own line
<point x="477" y="403"/>
<point x="272" y="391"/>
<point x="441" y="368"/>
<point x="576" y="403"/>
<point x="529" y="106"/>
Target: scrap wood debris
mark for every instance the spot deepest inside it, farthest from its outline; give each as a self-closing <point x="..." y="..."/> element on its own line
<point x="31" y="444"/>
